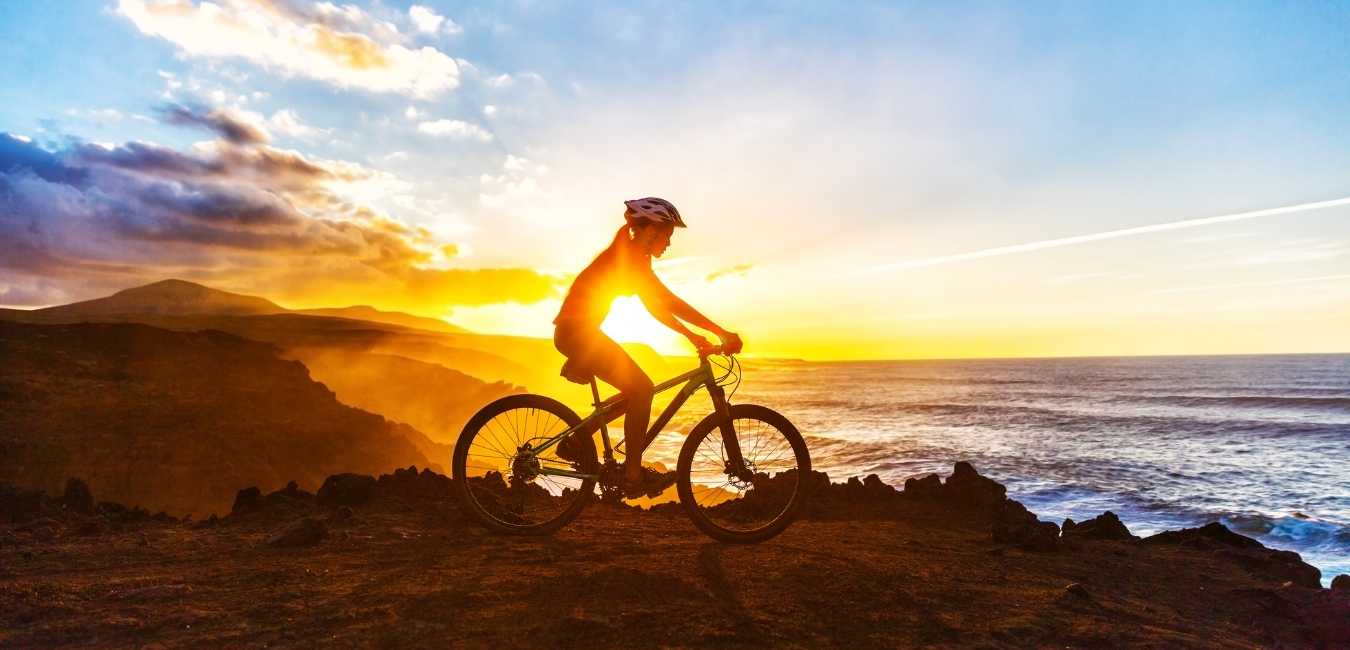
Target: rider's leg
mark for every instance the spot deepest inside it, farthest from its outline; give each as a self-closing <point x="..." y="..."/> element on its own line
<point x="617" y="369"/>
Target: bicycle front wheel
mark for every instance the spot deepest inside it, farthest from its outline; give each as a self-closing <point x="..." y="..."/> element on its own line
<point x="733" y="508"/>
<point x="506" y="483"/>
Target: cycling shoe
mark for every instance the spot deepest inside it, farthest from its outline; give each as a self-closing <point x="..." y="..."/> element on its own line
<point x="651" y="485"/>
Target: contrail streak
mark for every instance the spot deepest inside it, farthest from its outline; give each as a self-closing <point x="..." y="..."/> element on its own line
<point x="1249" y="285"/>
<point x="1110" y="234"/>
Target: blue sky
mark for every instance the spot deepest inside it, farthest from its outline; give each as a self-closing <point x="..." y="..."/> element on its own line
<point x="806" y="142"/>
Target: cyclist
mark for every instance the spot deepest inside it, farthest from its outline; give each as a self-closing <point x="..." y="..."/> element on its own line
<point x="625" y="268"/>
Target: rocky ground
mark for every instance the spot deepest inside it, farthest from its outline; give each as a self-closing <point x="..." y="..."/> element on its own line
<point x="392" y="562"/>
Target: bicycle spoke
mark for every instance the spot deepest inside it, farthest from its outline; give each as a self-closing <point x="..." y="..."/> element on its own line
<point x="734" y="503"/>
<point x="503" y="477"/>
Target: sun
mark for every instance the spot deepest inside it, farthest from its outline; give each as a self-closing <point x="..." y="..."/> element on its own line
<point x="629" y="322"/>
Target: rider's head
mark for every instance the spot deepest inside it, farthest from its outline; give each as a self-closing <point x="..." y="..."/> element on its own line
<point x="649" y="237"/>
<point x="652" y="221"/>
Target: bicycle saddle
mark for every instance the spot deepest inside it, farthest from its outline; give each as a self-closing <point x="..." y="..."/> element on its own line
<point x="575" y="372"/>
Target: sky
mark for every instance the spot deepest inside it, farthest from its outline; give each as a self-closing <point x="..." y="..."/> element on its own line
<point x="861" y="180"/>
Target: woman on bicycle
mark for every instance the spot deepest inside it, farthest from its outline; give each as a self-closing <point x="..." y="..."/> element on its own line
<point x="625" y="268"/>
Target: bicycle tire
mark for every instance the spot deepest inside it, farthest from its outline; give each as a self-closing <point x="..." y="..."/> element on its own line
<point x="464" y="489"/>
<point x="795" y="503"/>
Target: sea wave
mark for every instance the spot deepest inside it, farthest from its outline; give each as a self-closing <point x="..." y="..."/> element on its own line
<point x="1165" y="443"/>
<point x="1337" y="404"/>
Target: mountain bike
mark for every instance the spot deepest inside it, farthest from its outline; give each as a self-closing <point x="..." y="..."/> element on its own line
<point x="741" y="474"/>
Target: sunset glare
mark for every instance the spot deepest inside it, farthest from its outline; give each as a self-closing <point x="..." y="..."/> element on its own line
<point x="897" y="181"/>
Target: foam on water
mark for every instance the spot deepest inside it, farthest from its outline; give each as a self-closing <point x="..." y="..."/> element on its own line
<point x="1261" y="443"/>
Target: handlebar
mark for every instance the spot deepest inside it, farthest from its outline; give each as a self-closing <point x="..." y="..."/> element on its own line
<point x="726" y="350"/>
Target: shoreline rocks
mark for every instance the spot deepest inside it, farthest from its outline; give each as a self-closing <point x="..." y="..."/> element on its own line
<point x="1106" y="526"/>
<point x="964" y="496"/>
<point x="1255" y="557"/>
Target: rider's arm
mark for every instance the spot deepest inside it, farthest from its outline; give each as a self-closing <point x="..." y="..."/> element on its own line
<point x="667" y="307"/>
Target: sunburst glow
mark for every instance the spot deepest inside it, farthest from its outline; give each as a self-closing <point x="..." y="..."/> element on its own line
<point x="629" y="322"/>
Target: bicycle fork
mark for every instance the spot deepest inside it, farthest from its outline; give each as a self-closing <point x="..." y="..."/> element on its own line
<point x="735" y="462"/>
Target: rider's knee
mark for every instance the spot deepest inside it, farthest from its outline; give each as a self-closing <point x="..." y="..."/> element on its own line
<point x="641" y="388"/>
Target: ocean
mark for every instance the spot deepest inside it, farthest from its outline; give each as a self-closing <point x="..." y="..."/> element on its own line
<point x="1260" y="443"/>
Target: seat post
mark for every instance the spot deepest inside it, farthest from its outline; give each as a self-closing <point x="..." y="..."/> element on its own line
<point x="604" y="430"/>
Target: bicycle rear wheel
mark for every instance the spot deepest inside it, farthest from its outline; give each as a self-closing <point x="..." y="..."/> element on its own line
<point x="729" y="508"/>
<point x="498" y="473"/>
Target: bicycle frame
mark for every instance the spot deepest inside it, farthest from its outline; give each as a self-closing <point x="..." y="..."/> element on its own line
<point x="610" y="410"/>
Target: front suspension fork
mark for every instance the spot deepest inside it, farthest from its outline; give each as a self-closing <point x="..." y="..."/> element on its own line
<point x="735" y="462"/>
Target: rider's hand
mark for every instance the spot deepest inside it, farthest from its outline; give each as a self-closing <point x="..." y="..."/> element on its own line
<point x="731" y="342"/>
<point x="701" y="344"/>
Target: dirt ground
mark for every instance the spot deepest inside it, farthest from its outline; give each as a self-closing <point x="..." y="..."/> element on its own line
<point x="416" y="573"/>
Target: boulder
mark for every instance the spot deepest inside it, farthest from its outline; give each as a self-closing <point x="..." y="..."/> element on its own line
<point x="18" y="505"/>
<point x="1341" y="584"/>
<point x="1210" y="536"/>
<point x="247" y="500"/>
<point x="965" y="487"/>
<point x="306" y="532"/>
<point x="1030" y="535"/>
<point x="927" y="488"/>
<point x="78" y="497"/>
<point x="1276" y="566"/>
<point x="409" y="484"/>
<point x="347" y="490"/>
<point x="1106" y="526"/>
<point x="292" y="491"/>
<point x="873" y="486"/>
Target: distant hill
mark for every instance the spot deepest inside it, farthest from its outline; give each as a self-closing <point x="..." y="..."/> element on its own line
<point x="434" y="398"/>
<point x="166" y="297"/>
<point x="368" y="313"/>
<point x="480" y="360"/>
<point x="178" y="420"/>
<point x="183" y="298"/>
<point x="531" y="363"/>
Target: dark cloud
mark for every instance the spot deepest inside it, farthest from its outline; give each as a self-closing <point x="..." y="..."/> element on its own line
<point x="225" y="124"/>
<point x="85" y="217"/>
<point x="143" y="158"/>
<point x="19" y="155"/>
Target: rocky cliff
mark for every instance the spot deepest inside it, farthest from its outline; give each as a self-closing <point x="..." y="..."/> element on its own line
<point x="176" y="421"/>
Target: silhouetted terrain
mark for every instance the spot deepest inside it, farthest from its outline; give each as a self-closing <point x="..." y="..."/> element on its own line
<point x="368" y="313"/>
<point x="392" y="563"/>
<point x="215" y="403"/>
<point x="531" y="363"/>
<point x="175" y="420"/>
<point x="165" y="297"/>
<point x="433" y="398"/>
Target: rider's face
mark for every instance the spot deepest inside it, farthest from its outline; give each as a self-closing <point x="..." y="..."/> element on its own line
<point x="655" y="239"/>
<point x="661" y="240"/>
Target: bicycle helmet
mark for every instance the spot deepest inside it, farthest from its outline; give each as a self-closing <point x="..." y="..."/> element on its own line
<point x="653" y="209"/>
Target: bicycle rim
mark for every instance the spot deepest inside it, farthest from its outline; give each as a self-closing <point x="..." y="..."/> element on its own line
<point x="499" y="468"/>
<point x="736" y="509"/>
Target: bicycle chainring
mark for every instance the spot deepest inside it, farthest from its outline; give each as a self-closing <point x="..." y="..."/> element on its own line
<point x="611" y="481"/>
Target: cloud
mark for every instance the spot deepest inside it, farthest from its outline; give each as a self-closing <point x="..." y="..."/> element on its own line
<point x="500" y="81"/>
<point x="222" y="122"/>
<point x="457" y="129"/>
<point x="341" y="45"/>
<point x="427" y="21"/>
<point x="85" y="219"/>
<point x="288" y="122"/>
<point x="514" y="190"/>
<point x="734" y="271"/>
